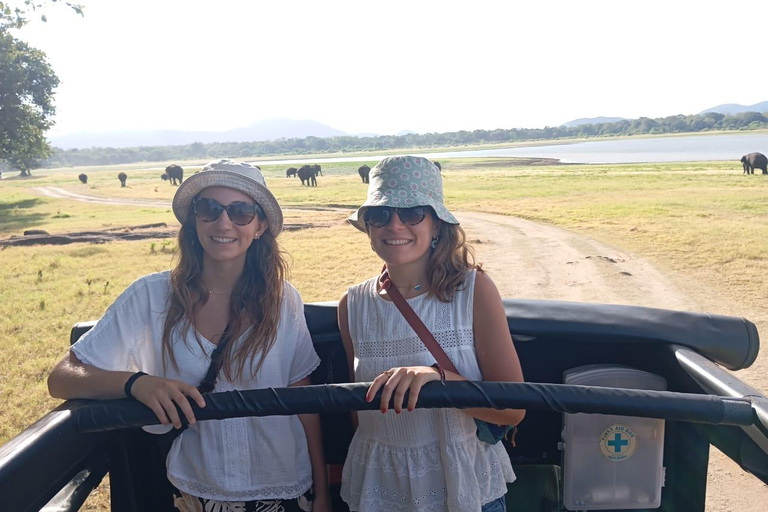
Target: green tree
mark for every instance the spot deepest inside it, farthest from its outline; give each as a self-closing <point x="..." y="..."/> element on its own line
<point x="16" y="14"/>
<point x="27" y="83"/>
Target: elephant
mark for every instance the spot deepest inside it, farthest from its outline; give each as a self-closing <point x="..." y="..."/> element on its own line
<point x="318" y="170"/>
<point x="174" y="173"/>
<point x="308" y="175"/>
<point x="754" y="161"/>
<point x="291" y="171"/>
<point x="439" y="167"/>
<point x="363" y="171"/>
<point x="122" y="177"/>
<point x="83" y="178"/>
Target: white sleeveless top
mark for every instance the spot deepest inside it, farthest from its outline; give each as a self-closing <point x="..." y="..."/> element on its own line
<point x="427" y="460"/>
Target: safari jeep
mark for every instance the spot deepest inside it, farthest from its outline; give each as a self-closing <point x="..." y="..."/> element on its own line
<point x="623" y="405"/>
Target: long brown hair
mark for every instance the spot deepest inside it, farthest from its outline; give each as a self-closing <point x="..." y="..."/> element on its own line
<point x="450" y="261"/>
<point x="255" y="300"/>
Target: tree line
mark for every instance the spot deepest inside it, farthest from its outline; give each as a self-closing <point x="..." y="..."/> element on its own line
<point x="710" y="121"/>
<point x="27" y="84"/>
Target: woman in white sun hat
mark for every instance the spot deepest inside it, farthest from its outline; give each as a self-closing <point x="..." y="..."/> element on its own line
<point x="155" y="343"/>
<point x="424" y="460"/>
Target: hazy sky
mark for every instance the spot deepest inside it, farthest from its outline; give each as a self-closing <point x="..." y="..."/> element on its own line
<point x="385" y="66"/>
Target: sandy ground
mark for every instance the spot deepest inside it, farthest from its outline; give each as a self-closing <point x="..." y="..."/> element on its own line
<point x="534" y="261"/>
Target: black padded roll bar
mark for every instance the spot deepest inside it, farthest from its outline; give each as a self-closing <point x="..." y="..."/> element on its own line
<point x="100" y="415"/>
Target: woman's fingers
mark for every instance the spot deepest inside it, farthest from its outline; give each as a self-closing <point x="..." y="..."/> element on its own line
<point x="170" y="409"/>
<point x="195" y="395"/>
<point x="403" y="385"/>
<point x="163" y="395"/>
<point x="388" y="388"/>
<point x="159" y="412"/>
<point x="181" y="398"/>
<point x="395" y="382"/>
<point x="379" y="381"/>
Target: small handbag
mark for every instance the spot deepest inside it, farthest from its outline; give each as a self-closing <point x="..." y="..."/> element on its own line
<point x="486" y="432"/>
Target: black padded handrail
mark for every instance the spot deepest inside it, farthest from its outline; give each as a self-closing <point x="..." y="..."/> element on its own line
<point x="731" y="341"/>
<point x="125" y="413"/>
<point x="728" y="340"/>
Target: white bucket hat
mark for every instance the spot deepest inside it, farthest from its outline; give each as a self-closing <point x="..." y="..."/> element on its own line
<point x="403" y="182"/>
<point x="240" y="176"/>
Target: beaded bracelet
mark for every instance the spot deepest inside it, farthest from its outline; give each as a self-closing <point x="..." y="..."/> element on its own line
<point x="129" y="383"/>
<point x="440" y="371"/>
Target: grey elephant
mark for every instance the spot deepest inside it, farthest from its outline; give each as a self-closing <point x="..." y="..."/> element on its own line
<point x="83" y="178"/>
<point x="175" y="173"/>
<point x="364" y="171"/>
<point x="122" y="177"/>
<point x="754" y="161"/>
<point x="308" y="175"/>
<point x="291" y="171"/>
<point x="439" y="167"/>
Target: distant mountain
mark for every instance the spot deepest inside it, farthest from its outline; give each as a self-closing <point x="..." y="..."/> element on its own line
<point x="404" y="132"/>
<point x="271" y="129"/>
<point x="734" y="108"/>
<point x="592" y="120"/>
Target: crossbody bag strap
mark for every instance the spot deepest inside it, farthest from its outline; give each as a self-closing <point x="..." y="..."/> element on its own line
<point x="209" y="382"/>
<point x="415" y="322"/>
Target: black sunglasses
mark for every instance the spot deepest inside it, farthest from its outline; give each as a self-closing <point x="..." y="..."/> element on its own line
<point x="379" y="216"/>
<point x="239" y="212"/>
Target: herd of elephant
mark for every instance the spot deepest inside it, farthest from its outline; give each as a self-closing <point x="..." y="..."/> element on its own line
<point x="308" y="173"/>
<point x="173" y="174"/>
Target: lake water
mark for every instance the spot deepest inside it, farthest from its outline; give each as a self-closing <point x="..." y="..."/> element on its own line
<point x="611" y="151"/>
<point x="663" y="149"/>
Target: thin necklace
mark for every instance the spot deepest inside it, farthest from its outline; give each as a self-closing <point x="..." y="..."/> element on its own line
<point x="219" y="293"/>
<point x="415" y="287"/>
<point x="211" y="292"/>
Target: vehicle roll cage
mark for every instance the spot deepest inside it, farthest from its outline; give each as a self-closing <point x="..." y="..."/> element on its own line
<point x="63" y="456"/>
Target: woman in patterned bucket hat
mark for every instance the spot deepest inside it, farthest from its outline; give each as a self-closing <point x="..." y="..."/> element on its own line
<point x="226" y="296"/>
<point x="424" y="459"/>
<point x="403" y="182"/>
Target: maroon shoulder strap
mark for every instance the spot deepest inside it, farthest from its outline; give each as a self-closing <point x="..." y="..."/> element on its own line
<point x="415" y="322"/>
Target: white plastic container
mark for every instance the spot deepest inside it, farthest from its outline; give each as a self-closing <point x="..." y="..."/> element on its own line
<point x="612" y="462"/>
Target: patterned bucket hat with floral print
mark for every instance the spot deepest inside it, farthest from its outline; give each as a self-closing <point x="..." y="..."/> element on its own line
<point x="404" y="182"/>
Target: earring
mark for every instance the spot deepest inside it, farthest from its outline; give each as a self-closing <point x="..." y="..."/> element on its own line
<point x="256" y="236"/>
<point x="434" y="242"/>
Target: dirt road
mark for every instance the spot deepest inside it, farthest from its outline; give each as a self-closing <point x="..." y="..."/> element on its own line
<point x="536" y="261"/>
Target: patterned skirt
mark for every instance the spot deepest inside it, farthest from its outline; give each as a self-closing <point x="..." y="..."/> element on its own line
<point x="187" y="503"/>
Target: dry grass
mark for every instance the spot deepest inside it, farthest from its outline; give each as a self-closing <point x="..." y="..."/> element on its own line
<point x="704" y="223"/>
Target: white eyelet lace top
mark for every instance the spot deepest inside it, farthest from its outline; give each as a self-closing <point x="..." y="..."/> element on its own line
<point x="427" y="460"/>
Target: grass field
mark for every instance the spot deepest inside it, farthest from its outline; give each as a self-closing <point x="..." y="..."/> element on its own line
<point x="706" y="223"/>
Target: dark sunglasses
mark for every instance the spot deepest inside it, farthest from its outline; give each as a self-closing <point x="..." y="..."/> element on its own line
<point x="239" y="212"/>
<point x="379" y="216"/>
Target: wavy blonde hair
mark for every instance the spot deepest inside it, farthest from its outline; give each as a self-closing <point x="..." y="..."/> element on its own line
<point x="255" y="300"/>
<point x="450" y="261"/>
